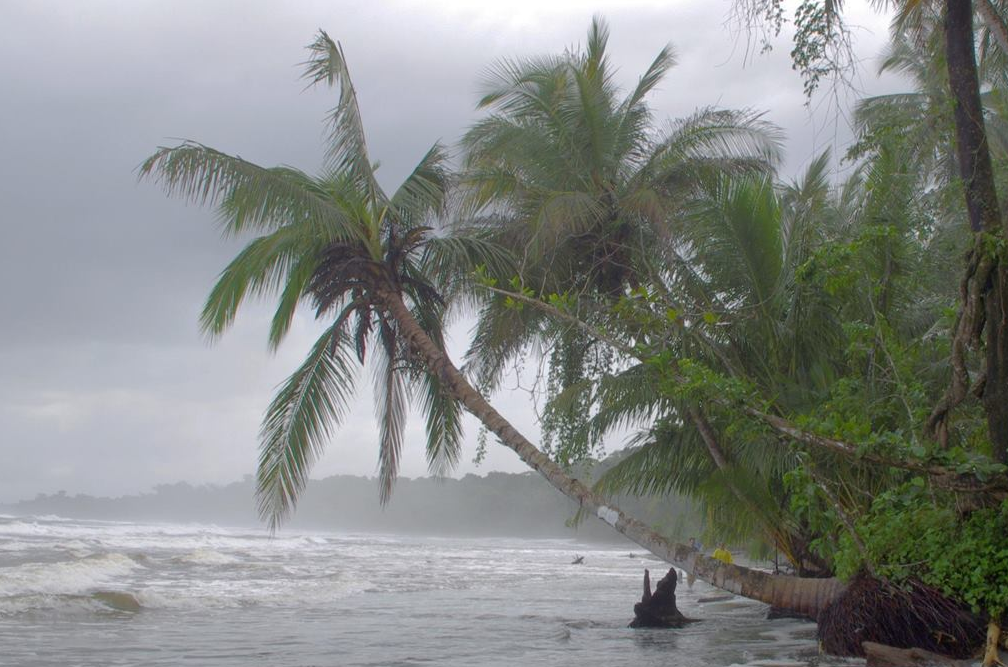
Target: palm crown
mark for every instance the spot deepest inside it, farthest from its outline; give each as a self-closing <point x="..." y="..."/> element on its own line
<point x="339" y="243"/>
<point x="590" y="195"/>
<point x="582" y="179"/>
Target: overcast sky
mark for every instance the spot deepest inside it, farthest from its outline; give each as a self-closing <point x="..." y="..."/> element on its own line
<point x="106" y="386"/>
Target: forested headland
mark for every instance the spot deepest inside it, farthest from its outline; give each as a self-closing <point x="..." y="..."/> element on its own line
<point x="493" y="505"/>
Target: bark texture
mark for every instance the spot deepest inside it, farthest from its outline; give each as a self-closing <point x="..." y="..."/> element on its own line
<point x="972" y="151"/>
<point x="991" y="648"/>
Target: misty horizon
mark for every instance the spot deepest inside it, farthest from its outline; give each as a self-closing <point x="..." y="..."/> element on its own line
<point x="496" y="504"/>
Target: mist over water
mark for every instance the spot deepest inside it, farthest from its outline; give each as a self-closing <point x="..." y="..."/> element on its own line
<point x="117" y="593"/>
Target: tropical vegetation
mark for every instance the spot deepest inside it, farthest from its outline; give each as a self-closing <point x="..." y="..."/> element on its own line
<point x="377" y="271"/>
<point x="813" y="361"/>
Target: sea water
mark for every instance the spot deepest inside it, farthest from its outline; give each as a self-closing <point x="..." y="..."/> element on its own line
<point x="111" y="593"/>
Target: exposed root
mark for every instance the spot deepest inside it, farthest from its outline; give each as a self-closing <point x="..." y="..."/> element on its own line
<point x="915" y="616"/>
<point x="991" y="651"/>
<point x="966" y="335"/>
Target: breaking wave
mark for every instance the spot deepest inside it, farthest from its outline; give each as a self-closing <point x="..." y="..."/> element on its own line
<point x="65" y="577"/>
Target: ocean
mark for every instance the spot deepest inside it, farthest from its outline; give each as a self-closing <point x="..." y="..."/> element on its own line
<point x="76" y="593"/>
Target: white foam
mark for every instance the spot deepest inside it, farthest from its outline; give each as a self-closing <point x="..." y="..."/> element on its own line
<point x="74" y="545"/>
<point x="24" y="528"/>
<point x="11" y="606"/>
<point x="176" y="566"/>
<point x="65" y="577"/>
<point x="206" y="557"/>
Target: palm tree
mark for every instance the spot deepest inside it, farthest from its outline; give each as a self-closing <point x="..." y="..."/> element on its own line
<point x="368" y="265"/>
<point x="921" y="126"/>
<point x="737" y="260"/>
<point x="756" y="258"/>
<point x="378" y="276"/>
<point x="597" y="202"/>
<point x="584" y="187"/>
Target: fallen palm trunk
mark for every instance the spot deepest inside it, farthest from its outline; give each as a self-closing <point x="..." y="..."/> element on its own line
<point x="825" y="600"/>
<point x="911" y="626"/>
<point x="803" y="595"/>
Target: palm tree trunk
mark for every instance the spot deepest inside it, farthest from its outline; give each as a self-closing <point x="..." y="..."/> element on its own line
<point x="984" y="214"/>
<point x="802" y="595"/>
<point x="972" y="149"/>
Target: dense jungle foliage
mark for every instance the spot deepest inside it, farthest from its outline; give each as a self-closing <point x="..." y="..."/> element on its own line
<point x="779" y="348"/>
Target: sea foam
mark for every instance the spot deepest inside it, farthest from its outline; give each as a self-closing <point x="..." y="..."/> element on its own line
<point x="206" y="557"/>
<point x="65" y="577"/>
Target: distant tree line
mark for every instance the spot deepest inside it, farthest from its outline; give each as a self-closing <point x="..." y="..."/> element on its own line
<point x="497" y="504"/>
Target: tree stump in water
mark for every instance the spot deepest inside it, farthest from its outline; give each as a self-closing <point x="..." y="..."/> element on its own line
<point x="658" y="609"/>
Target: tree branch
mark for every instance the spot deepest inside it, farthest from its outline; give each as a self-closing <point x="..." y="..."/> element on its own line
<point x="940" y="476"/>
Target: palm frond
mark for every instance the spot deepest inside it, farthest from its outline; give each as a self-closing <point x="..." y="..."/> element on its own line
<point x="252" y="198"/>
<point x="424" y="192"/>
<point x="738" y="237"/>
<point x="444" y="426"/>
<point x="669" y="459"/>
<point x="451" y="261"/>
<point x="521" y="86"/>
<point x="290" y="297"/>
<point x="720" y="138"/>
<point x="308" y="406"/>
<point x="263" y="267"/>
<point x="740" y="509"/>
<point x="347" y="147"/>
<point x="559" y="215"/>
<point x="598" y="39"/>
<point x="627" y="399"/>
<point x="656" y="71"/>
<point x="443" y="411"/>
<point x="391" y="404"/>
<point x="500" y="335"/>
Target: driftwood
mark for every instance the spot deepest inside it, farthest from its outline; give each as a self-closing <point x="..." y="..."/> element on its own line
<point x="881" y="655"/>
<point x="658" y="609"/>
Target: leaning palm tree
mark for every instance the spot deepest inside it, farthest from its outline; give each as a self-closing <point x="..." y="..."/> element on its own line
<point x="380" y="278"/>
<point x="366" y="262"/>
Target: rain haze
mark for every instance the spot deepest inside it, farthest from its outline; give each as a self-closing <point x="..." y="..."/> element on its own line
<point x="106" y="385"/>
